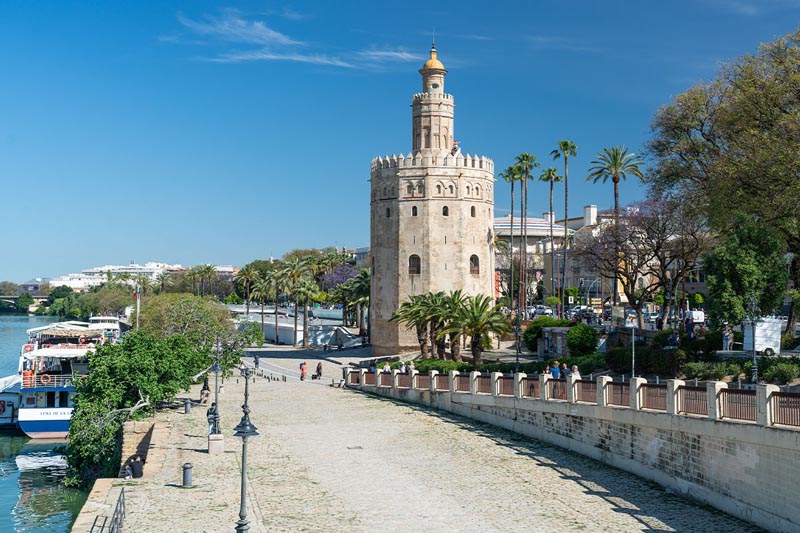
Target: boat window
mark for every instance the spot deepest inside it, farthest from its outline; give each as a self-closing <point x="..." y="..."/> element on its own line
<point x="63" y="399"/>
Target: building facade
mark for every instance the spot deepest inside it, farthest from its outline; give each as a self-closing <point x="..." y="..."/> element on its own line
<point x="431" y="216"/>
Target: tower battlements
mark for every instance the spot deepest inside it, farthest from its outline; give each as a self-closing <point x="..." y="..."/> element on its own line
<point x="433" y="160"/>
<point x="431" y="96"/>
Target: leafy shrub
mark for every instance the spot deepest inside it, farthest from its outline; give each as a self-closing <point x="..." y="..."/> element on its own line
<point x="534" y="329"/>
<point x="789" y="341"/>
<point x="581" y="340"/>
<point x="698" y="370"/>
<point x="661" y="338"/>
<point x="426" y="365"/>
<point x="782" y="373"/>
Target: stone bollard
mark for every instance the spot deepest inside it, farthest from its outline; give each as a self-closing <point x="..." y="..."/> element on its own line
<point x="714" y="398"/>
<point x="636" y="393"/>
<point x="187" y="406"/>
<point x="673" y="405"/>
<point x="519" y="384"/>
<point x="602" y="393"/>
<point x="187" y="475"/>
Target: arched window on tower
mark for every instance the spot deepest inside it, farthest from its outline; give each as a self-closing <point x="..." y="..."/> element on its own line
<point x="469" y="190"/>
<point x="414" y="265"/>
<point x="409" y="189"/>
<point x="472" y="211"/>
<point x="478" y="191"/>
<point x="438" y="189"/>
<point x="474" y="265"/>
<point x="452" y="189"/>
<point x="414" y="211"/>
<point x="445" y="211"/>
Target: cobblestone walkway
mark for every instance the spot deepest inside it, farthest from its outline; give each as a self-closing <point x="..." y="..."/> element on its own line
<point x="331" y="459"/>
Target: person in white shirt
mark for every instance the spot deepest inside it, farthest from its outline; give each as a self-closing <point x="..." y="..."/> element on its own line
<point x="386" y="368"/>
<point x="576" y="372"/>
<point x="403" y="367"/>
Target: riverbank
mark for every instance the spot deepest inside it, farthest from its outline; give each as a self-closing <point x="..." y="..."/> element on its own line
<point x="332" y="459"/>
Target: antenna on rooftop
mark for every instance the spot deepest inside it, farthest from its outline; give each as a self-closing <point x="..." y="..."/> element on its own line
<point x="433" y="38"/>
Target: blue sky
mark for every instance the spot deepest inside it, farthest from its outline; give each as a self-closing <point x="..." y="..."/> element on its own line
<point x="201" y="132"/>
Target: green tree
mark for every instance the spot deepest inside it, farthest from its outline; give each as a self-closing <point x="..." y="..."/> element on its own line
<point x="581" y="340"/>
<point x="478" y="318"/>
<point x="305" y="291"/>
<point x="411" y="313"/>
<point x="551" y="175"/>
<point x="566" y="149"/>
<point x="510" y="175"/>
<point x="9" y="288"/>
<point x="62" y="291"/>
<point x="750" y="261"/>
<point x="295" y="269"/>
<point x="525" y="163"/>
<point x="245" y="278"/>
<point x="261" y="291"/>
<point x="202" y="321"/>
<point x="615" y="163"/>
<point x="24" y="301"/>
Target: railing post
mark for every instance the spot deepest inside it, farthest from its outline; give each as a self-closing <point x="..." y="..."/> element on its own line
<point x="395" y="373"/>
<point x="602" y="393"/>
<point x="377" y="378"/>
<point x="714" y="399"/>
<point x="433" y="374"/>
<point x="473" y="381"/>
<point x="453" y="374"/>
<point x="544" y="394"/>
<point x="519" y="388"/>
<point x="494" y="380"/>
<point x="572" y="388"/>
<point x="672" y="395"/>
<point x="764" y="410"/>
<point x="636" y="393"/>
<point x="362" y="372"/>
<point x="413" y="377"/>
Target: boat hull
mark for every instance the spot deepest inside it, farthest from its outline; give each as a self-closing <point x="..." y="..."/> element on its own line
<point x="46" y="422"/>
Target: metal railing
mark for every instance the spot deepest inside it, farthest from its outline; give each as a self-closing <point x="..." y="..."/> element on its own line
<point x="483" y="385"/>
<point x="530" y="388"/>
<point x="113" y="524"/>
<point x="693" y="400"/>
<point x="557" y="389"/>
<point x="786" y="408"/>
<point x="586" y="391"/>
<point x="442" y="382"/>
<point x="506" y="386"/>
<point x="423" y="381"/>
<point x="619" y="394"/>
<point x="369" y="378"/>
<point x="462" y="383"/>
<point x="738" y="404"/>
<point x="654" y="397"/>
<point x="46" y="380"/>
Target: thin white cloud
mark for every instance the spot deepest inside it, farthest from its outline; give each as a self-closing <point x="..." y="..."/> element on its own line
<point x="268" y="55"/>
<point x="384" y="56"/>
<point x="232" y="27"/>
<point x="291" y="14"/>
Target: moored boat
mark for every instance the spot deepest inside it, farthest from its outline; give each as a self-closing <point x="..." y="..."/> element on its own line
<point x="51" y="362"/>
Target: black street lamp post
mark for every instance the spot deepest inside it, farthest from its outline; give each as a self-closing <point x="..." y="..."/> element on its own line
<point x="244" y="429"/>
<point x="752" y="309"/>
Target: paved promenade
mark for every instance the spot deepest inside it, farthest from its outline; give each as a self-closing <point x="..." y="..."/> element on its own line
<point x="331" y="459"/>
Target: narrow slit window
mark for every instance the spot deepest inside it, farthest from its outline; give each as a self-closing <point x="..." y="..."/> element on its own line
<point x="474" y="265"/>
<point x="414" y="265"/>
<point x="445" y="211"/>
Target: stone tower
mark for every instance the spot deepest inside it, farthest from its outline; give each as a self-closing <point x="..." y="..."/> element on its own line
<point x="431" y="216"/>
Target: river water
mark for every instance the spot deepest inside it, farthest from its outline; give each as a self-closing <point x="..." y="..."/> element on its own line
<point x="31" y="496"/>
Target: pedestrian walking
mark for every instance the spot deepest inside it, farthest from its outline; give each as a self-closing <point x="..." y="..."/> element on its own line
<point x="319" y="370"/>
<point x="727" y="338"/>
<point x="256" y="360"/>
<point x="303" y="371"/>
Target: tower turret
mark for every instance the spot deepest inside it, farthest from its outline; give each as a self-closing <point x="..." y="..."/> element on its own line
<point x="432" y="109"/>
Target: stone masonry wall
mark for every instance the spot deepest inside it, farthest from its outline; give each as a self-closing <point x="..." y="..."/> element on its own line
<point x="746" y="470"/>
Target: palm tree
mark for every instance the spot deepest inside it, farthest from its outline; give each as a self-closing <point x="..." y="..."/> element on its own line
<point x="359" y="292"/>
<point x="435" y="311"/>
<point x="204" y="274"/>
<point x="615" y="163"/>
<point x="163" y="280"/>
<point x="293" y="270"/>
<point x="273" y="280"/>
<point x="305" y="290"/>
<point x="525" y="164"/>
<point x="261" y="291"/>
<point x="478" y="317"/>
<point x="411" y="313"/>
<point x="566" y="149"/>
<point x="246" y="276"/>
<point x="454" y="302"/>
<point x="510" y="176"/>
<point x="552" y="176"/>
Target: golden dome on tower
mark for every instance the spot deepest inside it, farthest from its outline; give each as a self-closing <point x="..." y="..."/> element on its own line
<point x="433" y="62"/>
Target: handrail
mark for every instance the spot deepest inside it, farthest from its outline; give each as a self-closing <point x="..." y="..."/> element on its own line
<point x="113" y="524"/>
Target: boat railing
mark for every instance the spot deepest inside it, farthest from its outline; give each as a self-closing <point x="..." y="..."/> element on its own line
<point x="45" y="380"/>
